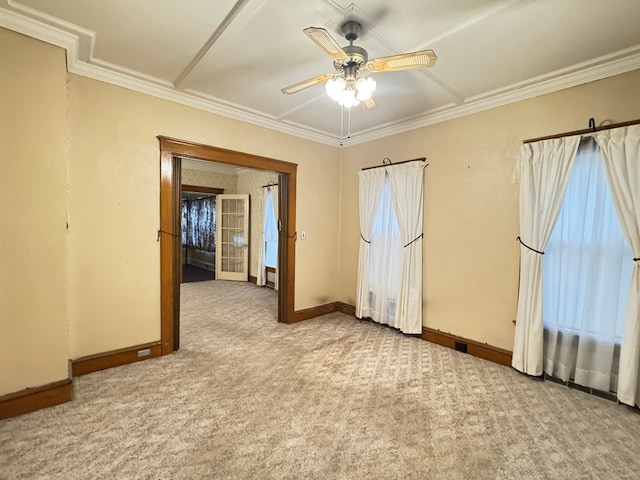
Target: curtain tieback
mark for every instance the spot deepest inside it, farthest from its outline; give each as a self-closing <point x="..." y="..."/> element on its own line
<point x="165" y="232"/>
<point x="532" y="249"/>
<point x="419" y="236"/>
<point x="364" y="239"/>
<point x="636" y="259"/>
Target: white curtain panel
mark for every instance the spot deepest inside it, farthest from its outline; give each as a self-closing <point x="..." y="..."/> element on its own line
<point x="621" y="153"/>
<point x="544" y="174"/>
<point x="370" y="188"/>
<point x="261" y="277"/>
<point x="585" y="279"/>
<point x="386" y="254"/>
<point x="275" y="195"/>
<point x="407" y="187"/>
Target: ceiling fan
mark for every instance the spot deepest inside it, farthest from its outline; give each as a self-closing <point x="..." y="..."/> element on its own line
<point x="347" y="86"/>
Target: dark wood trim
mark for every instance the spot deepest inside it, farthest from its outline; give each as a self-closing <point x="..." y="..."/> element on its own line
<point x="477" y="349"/>
<point x="314" y="312"/>
<point x="32" y="399"/>
<point x="287" y="247"/>
<point x="253" y="279"/>
<point x="114" y="358"/>
<point x="423" y="159"/>
<point x="177" y="248"/>
<point x="197" y="189"/>
<point x="167" y="263"/>
<point x="221" y="155"/>
<point x="171" y="150"/>
<point x="583" y="131"/>
<point x="345" y="308"/>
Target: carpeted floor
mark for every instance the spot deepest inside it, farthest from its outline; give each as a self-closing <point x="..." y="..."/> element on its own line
<point x="328" y="398"/>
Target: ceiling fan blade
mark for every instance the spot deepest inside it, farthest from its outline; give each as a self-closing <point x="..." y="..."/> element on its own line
<point x="404" y="61"/>
<point x="296" y="87"/>
<point x="369" y="104"/>
<point x="326" y="42"/>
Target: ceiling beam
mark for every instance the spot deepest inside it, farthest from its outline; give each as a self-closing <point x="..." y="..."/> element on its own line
<point x="233" y="13"/>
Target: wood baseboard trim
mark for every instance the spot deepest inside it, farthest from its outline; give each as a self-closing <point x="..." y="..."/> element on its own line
<point x="115" y="358"/>
<point x="477" y="349"/>
<point x="32" y="399"/>
<point x="253" y="279"/>
<point x="313" y="312"/>
<point x="346" y="308"/>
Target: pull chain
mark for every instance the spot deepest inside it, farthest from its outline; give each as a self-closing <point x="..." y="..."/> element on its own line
<point x="341" y="124"/>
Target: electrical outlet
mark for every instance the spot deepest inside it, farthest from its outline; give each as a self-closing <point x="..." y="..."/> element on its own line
<point x="303" y="235"/>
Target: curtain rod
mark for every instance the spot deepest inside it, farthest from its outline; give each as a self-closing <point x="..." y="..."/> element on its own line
<point x="423" y="159"/>
<point x="584" y="131"/>
<point x="270" y="185"/>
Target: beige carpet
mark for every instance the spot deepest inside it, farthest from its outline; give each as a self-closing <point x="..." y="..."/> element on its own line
<point x="329" y="398"/>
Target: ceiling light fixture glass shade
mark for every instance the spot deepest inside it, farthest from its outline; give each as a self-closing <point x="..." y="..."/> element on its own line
<point x="349" y="92"/>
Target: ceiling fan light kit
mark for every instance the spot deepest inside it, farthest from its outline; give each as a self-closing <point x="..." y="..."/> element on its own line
<point x="346" y="87"/>
<point x="348" y="91"/>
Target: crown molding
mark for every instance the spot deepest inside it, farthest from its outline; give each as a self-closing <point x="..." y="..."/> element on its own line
<point x="139" y="82"/>
<point x="607" y="66"/>
<point x="40" y="31"/>
<point x="597" y="69"/>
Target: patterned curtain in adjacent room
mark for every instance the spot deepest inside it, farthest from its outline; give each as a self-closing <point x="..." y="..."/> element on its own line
<point x="199" y="223"/>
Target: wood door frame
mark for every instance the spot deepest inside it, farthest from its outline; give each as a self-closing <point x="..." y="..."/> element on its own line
<point x="171" y="150"/>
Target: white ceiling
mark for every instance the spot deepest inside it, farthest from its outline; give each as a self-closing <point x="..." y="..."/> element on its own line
<point x="232" y="57"/>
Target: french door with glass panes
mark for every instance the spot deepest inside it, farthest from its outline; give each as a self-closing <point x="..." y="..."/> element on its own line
<point x="232" y="237"/>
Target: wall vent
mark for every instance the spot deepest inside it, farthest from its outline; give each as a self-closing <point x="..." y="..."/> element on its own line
<point x="461" y="347"/>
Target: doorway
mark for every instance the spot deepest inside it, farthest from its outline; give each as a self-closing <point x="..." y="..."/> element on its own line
<point x="198" y="223"/>
<point x="171" y="151"/>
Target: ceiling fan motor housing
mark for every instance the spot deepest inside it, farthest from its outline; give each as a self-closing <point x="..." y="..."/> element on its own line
<point x="357" y="55"/>
<point x="351" y="30"/>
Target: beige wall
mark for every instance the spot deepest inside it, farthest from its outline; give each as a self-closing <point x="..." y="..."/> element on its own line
<point x="114" y="284"/>
<point x="88" y="151"/>
<point x="471" y="202"/>
<point x="251" y="183"/>
<point x="33" y="291"/>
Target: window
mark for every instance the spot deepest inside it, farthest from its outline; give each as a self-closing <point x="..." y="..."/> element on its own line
<point x="385" y="273"/>
<point x="270" y="231"/>
<point x="199" y="223"/>
<point x="586" y="278"/>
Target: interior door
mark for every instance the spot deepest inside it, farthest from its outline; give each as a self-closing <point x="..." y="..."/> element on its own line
<point x="232" y="237"/>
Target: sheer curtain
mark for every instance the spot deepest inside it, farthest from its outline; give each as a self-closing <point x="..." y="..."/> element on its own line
<point x="544" y="174"/>
<point x="586" y="272"/>
<point x="370" y="188"/>
<point x="271" y="232"/>
<point x="385" y="262"/>
<point x="407" y="184"/>
<point x="621" y="154"/>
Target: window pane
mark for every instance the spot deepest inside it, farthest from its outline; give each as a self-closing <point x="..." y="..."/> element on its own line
<point x="587" y="263"/>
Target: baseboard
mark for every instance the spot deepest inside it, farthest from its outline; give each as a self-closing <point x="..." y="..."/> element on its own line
<point x="313" y="312"/>
<point x="346" y="308"/>
<point x="253" y="279"/>
<point x="477" y="349"/>
<point x="115" y="358"/>
<point x="32" y="399"/>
